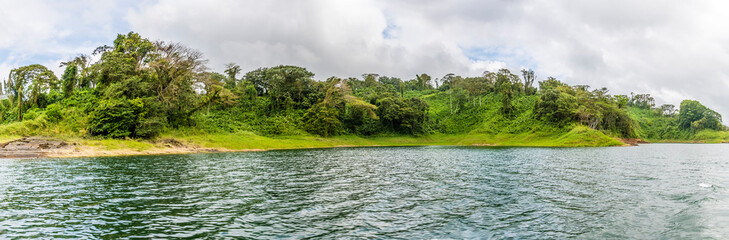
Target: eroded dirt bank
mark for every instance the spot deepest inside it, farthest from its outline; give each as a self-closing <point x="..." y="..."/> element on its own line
<point x="39" y="147"/>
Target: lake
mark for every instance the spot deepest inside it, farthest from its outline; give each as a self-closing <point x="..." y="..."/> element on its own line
<point x="654" y="191"/>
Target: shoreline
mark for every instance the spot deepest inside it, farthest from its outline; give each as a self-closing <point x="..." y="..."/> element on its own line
<point x="39" y="147"/>
<point x="46" y="147"/>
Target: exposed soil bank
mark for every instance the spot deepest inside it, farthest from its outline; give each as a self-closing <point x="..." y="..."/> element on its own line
<point x="47" y="147"/>
<point x="32" y="147"/>
<point x="632" y="141"/>
<point x="40" y="147"/>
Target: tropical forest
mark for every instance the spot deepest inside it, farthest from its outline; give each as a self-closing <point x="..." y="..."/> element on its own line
<point x="140" y="94"/>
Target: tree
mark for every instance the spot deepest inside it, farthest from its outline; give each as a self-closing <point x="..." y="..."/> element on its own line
<point x="403" y="115"/>
<point x="323" y="120"/>
<point x="446" y="82"/>
<point x="528" y="80"/>
<point x="69" y="80"/>
<point x="695" y="116"/>
<point x="166" y="77"/>
<point x="259" y="80"/>
<point x="289" y="85"/>
<point x="117" y="118"/>
<point x="28" y="84"/>
<point x="393" y="81"/>
<point x="668" y="110"/>
<point x="642" y="101"/>
<point x="175" y="69"/>
<point x="232" y="70"/>
<point x="370" y="79"/>
<point x="507" y="86"/>
<point x="126" y="59"/>
<point x="476" y="86"/>
<point x="621" y="100"/>
<point x="556" y="106"/>
<point x="423" y="81"/>
<point x="82" y="63"/>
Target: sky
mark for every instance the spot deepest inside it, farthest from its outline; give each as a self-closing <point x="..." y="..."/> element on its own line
<point x="671" y="49"/>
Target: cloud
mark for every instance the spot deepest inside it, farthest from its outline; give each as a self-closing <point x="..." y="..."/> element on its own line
<point x="48" y="32"/>
<point x="343" y="38"/>
<point x="671" y="49"/>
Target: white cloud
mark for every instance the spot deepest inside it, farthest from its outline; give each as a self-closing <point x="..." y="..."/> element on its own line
<point x="48" y="32"/>
<point x="343" y="38"/>
<point x="671" y="49"/>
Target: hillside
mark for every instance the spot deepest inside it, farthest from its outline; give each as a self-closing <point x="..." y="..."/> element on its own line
<point x="141" y="94"/>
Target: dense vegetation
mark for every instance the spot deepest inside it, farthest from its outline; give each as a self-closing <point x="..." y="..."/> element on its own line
<point x="140" y="89"/>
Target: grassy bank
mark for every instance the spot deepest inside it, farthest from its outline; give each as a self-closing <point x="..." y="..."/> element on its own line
<point x="177" y="142"/>
<point x="705" y="136"/>
<point x="578" y="137"/>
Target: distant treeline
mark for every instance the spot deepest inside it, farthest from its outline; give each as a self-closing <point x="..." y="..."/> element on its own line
<point x="139" y="88"/>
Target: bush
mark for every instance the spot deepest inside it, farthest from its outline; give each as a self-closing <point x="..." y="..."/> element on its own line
<point x="117" y="118"/>
<point x="279" y="125"/>
<point x="31" y="114"/>
<point x="53" y="112"/>
<point x="695" y="116"/>
<point x="322" y="120"/>
<point x="149" y="127"/>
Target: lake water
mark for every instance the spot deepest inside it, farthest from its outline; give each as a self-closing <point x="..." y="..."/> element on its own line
<point x="655" y="191"/>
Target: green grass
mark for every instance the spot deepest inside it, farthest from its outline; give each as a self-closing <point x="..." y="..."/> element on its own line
<point x="479" y="123"/>
<point x="653" y="127"/>
<point x="246" y="140"/>
<point x="711" y="136"/>
<point x="118" y="144"/>
<point x="9" y="137"/>
<point x="579" y="136"/>
<point x="582" y="136"/>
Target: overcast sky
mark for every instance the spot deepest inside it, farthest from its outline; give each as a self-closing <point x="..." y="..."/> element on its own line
<point x="673" y="50"/>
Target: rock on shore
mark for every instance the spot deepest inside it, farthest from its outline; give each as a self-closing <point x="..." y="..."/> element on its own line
<point x="30" y="147"/>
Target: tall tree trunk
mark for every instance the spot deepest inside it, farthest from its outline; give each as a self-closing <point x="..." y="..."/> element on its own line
<point x="20" y="107"/>
<point x="450" y="101"/>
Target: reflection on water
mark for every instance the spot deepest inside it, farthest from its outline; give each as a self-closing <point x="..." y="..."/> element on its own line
<point x="651" y="191"/>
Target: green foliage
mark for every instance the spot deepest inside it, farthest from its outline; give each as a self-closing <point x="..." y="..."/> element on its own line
<point x="403" y="115"/>
<point x="654" y="126"/>
<point x="31" y="114"/>
<point x="642" y="101"/>
<point x="27" y="86"/>
<point x="423" y="82"/>
<point x="695" y="116"/>
<point x="360" y="117"/>
<point x="280" y="125"/>
<point x="36" y="126"/>
<point x="117" y="118"/>
<point x="322" y="120"/>
<point x="69" y="80"/>
<point x="149" y="127"/>
<point x="556" y="106"/>
<point x="54" y="113"/>
<point x="582" y="136"/>
<point x="141" y="89"/>
<point x="290" y="85"/>
<point x="562" y="104"/>
<point x="232" y="70"/>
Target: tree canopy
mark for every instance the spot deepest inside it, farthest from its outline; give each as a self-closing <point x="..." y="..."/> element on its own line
<point x="139" y="88"/>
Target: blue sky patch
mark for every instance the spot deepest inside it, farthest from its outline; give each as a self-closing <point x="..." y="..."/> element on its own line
<point x="513" y="57"/>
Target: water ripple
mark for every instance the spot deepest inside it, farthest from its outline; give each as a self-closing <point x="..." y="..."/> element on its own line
<point x="651" y="191"/>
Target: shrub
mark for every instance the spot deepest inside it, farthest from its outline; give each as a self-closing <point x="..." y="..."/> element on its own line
<point x="322" y="120"/>
<point x="53" y="112"/>
<point x="117" y="118"/>
<point x="31" y="114"/>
